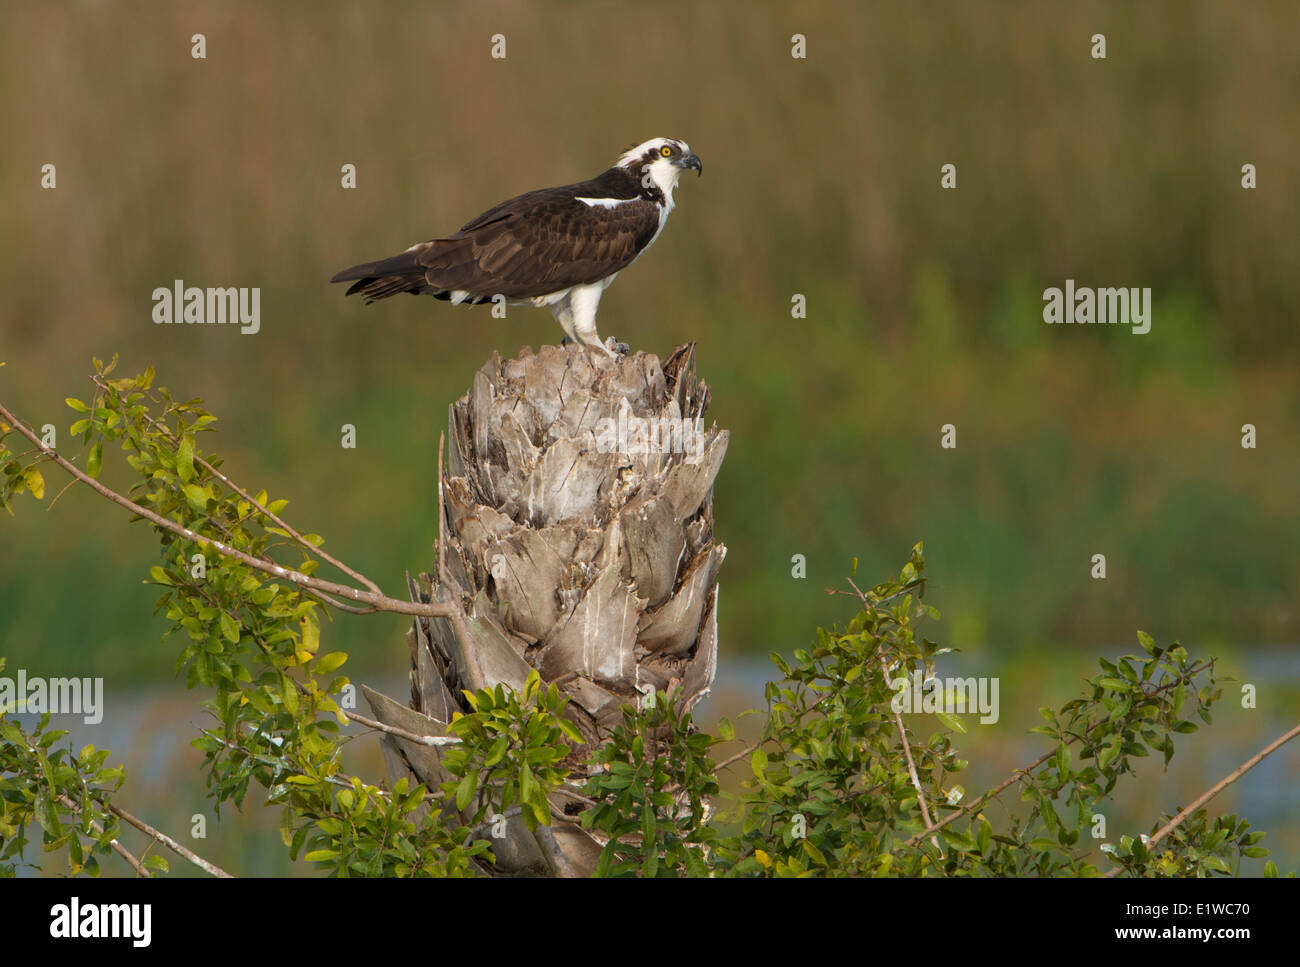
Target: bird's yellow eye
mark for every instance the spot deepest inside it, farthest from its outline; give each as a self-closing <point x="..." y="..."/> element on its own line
<point x="666" y="151"/>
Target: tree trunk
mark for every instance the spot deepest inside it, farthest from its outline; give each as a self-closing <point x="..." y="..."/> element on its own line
<point x="577" y="539"/>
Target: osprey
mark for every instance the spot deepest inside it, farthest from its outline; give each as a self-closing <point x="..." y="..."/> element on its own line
<point x="557" y="247"/>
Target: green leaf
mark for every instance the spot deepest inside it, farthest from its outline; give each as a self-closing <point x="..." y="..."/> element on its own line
<point x="95" y="460"/>
<point x="539" y="812"/>
<point x="198" y="496"/>
<point x="77" y="405"/>
<point x="1063" y="759"/>
<point x="327" y="663"/>
<point x="815" y="853"/>
<point x="526" y="782"/>
<point x="465" y="791"/>
<point x="185" y="459"/>
<point x="650" y="863"/>
<point x="311" y="637"/>
<point x="1107" y="755"/>
<point x="952" y="721"/>
<point x="230" y="628"/>
<point x="648" y="826"/>
<point x="606" y="856"/>
<point x="158" y="863"/>
<point x="569" y="729"/>
<point x="35" y="482"/>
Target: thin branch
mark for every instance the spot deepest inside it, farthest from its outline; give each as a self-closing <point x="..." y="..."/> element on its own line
<point x="907" y="589"/>
<point x="902" y="734"/>
<point x="911" y="766"/>
<point x="1071" y="738"/>
<point x="739" y="755"/>
<point x="442" y="538"/>
<point x="161" y="837"/>
<point x="433" y="740"/>
<point x="284" y="766"/>
<point x="379" y="601"/>
<point x="279" y="522"/>
<point x="574" y="795"/>
<point x="118" y="848"/>
<point x="1213" y="791"/>
<point x="340" y="605"/>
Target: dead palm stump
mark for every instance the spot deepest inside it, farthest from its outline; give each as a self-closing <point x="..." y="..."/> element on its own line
<point x="577" y="539"/>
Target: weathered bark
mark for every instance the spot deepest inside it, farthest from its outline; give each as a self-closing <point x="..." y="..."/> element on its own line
<point x="573" y="548"/>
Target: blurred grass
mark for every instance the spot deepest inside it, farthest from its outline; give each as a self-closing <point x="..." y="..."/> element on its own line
<point x="924" y="306"/>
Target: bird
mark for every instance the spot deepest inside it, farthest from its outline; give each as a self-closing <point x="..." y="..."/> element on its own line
<point x="555" y="247"/>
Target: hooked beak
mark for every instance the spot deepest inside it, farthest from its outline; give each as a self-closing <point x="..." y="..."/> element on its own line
<point x="690" y="160"/>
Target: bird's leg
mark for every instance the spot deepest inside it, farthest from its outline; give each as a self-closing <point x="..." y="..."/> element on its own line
<point x="581" y="303"/>
<point x="563" y="312"/>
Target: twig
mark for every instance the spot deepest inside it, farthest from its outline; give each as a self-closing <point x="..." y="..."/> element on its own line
<point x="997" y="790"/>
<point x="902" y="734"/>
<point x="279" y="522"/>
<point x="739" y="755"/>
<point x="283" y="764"/>
<point x="1213" y="791"/>
<point x="433" y="740"/>
<point x="118" y="848"/>
<point x="171" y="844"/>
<point x="379" y="601"/>
<point x="442" y="539"/>
<point x="454" y="609"/>
<point x="574" y="795"/>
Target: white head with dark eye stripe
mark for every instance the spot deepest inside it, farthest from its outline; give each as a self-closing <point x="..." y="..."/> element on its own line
<point x="663" y="160"/>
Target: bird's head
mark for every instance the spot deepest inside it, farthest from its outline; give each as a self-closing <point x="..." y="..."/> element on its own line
<point x="662" y="160"/>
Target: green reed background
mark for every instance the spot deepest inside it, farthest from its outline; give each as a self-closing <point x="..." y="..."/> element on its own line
<point x="821" y="178"/>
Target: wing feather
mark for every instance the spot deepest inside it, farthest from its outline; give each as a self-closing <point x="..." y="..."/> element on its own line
<point x="532" y="245"/>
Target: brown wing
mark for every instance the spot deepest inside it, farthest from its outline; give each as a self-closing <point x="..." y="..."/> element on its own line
<point x="539" y="243"/>
<point x="531" y="245"/>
